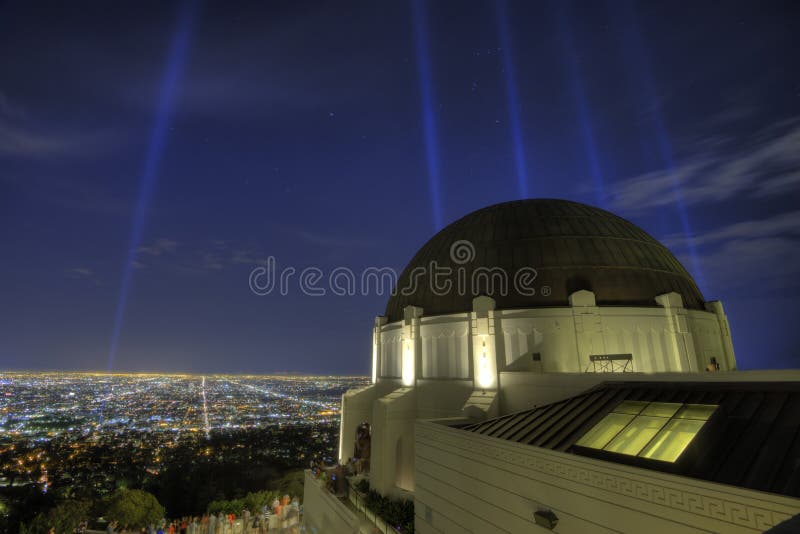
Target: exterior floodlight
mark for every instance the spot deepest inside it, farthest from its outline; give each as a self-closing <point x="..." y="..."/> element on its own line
<point x="374" y="362"/>
<point x="484" y="372"/>
<point x="546" y="519"/>
<point x="408" y="365"/>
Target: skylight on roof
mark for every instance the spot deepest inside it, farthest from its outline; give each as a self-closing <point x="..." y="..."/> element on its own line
<point x="653" y="430"/>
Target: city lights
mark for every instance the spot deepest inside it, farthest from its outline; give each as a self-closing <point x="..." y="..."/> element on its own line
<point x="51" y="433"/>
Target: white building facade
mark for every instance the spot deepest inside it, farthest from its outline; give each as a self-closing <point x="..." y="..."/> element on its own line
<point x="457" y="365"/>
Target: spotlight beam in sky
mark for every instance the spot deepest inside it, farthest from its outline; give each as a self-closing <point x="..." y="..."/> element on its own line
<point x="576" y="86"/>
<point x="176" y="59"/>
<point x="635" y="45"/>
<point x="420" y="23"/>
<point x="512" y="99"/>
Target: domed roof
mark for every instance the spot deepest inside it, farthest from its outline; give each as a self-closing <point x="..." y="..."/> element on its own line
<point x="570" y="245"/>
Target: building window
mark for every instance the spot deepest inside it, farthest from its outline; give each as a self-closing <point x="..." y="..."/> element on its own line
<point x="653" y="430"/>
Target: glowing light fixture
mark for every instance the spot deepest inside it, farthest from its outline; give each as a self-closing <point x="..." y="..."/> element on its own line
<point x="484" y="371"/>
<point x="408" y="365"/>
<point x="374" y="362"/>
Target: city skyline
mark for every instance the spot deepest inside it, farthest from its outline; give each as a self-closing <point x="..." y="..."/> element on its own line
<point x="84" y="434"/>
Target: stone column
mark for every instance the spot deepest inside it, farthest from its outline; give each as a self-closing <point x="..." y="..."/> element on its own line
<point x="377" y="348"/>
<point x="484" y="346"/>
<point x="728" y="358"/>
<point x="411" y="357"/>
<point x="678" y="333"/>
<point x="485" y="360"/>
<point x="588" y="328"/>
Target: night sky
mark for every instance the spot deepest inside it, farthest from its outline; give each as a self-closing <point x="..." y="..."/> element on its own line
<point x="152" y="154"/>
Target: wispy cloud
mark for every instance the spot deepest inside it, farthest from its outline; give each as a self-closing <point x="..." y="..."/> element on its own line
<point x="754" y="266"/>
<point x="11" y="110"/>
<point x="247" y="257"/>
<point x="216" y="255"/>
<point x="212" y="262"/>
<point x="332" y="241"/>
<point x="749" y="257"/>
<point x="222" y="84"/>
<point x="29" y="141"/>
<point x="211" y="256"/>
<point x="768" y="165"/>
<point x="734" y="114"/>
<point x="159" y="247"/>
<point x="162" y="246"/>
<point x="95" y="196"/>
<point x="784" y="224"/>
<point x="80" y="272"/>
<point x="23" y="136"/>
<point x="33" y="140"/>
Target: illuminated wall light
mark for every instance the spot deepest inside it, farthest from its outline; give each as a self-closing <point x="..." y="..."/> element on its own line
<point x="484" y="371"/>
<point x="341" y="435"/>
<point x="408" y="365"/>
<point x="374" y="362"/>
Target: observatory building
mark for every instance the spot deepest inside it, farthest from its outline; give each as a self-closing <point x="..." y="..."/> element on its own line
<point x="544" y="364"/>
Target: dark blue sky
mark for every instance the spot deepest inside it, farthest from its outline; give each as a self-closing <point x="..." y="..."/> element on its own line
<point x="298" y="130"/>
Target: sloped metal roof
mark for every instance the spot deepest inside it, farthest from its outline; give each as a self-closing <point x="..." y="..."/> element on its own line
<point x="752" y="440"/>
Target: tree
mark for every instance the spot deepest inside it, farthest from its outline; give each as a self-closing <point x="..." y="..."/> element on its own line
<point x="257" y="500"/>
<point x="253" y="501"/>
<point x="64" y="518"/>
<point x="291" y="483"/>
<point x="133" y="508"/>
<point x="232" y="506"/>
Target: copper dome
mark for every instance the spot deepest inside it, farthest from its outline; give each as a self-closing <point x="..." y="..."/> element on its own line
<point x="571" y="246"/>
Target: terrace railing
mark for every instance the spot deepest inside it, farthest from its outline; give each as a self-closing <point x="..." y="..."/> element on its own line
<point x="358" y="500"/>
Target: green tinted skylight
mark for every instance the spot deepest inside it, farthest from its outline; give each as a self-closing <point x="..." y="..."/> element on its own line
<point x="654" y="430"/>
<point x="632" y="407"/>
<point x="605" y="430"/>
<point x="672" y="440"/>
